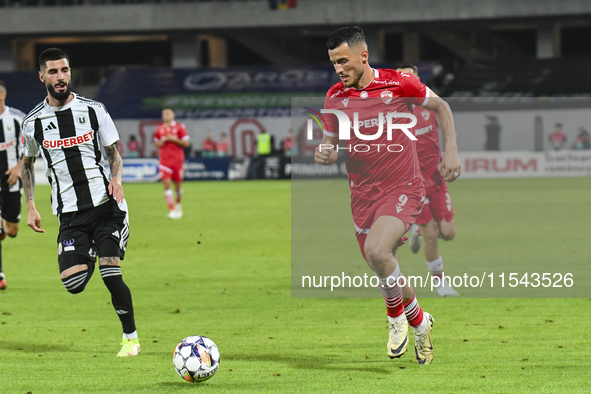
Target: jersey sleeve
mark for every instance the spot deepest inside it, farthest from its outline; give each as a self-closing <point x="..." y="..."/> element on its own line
<point x="107" y="131"/>
<point x="183" y="132"/>
<point x="157" y="134"/>
<point x="20" y="138"/>
<point x="414" y="90"/>
<point x="30" y="146"/>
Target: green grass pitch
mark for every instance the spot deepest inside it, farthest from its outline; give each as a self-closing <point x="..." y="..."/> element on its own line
<point x="224" y="271"/>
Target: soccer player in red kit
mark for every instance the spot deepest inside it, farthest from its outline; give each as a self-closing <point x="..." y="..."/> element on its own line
<point x="437" y="216"/>
<point x="387" y="190"/>
<point x="171" y="138"/>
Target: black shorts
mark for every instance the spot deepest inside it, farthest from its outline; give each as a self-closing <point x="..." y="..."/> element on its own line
<point x="11" y="198"/>
<point x="102" y="231"/>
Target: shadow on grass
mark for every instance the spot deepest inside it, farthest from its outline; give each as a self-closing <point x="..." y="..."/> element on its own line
<point x="185" y="385"/>
<point x="328" y="363"/>
<point x="33" y="347"/>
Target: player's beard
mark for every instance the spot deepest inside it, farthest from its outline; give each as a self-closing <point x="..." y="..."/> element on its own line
<point x="59" y="96"/>
<point x="354" y="79"/>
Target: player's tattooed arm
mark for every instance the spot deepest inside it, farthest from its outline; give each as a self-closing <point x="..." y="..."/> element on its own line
<point x="28" y="178"/>
<point x="116" y="166"/>
<point x="115" y="162"/>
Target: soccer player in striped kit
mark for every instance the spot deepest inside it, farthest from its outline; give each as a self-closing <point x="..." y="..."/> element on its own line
<point x="10" y="171"/>
<point x="68" y="130"/>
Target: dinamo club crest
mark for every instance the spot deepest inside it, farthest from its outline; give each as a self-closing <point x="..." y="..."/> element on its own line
<point x="386" y="96"/>
<point x="426" y="115"/>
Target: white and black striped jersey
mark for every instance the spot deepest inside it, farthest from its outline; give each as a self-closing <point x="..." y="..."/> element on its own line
<point x="70" y="138"/>
<point x="11" y="148"/>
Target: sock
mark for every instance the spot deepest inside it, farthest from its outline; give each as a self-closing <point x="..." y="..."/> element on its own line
<point x="392" y="294"/>
<point x="169" y="199"/>
<point x="179" y="193"/>
<point x="436" y="267"/>
<point x="133" y="335"/>
<point x="120" y="296"/>
<point x="414" y="313"/>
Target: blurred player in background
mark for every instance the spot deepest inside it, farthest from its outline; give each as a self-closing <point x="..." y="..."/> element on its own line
<point x="171" y="138"/>
<point x="437" y="216"/>
<point x="223" y="146"/>
<point x="208" y="146"/>
<point x="387" y="190"/>
<point x="11" y="120"/>
<point x="68" y="130"/>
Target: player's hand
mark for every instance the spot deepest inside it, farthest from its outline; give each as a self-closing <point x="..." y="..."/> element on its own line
<point x="34" y="221"/>
<point x="450" y="166"/>
<point x="14" y="174"/>
<point x="116" y="190"/>
<point x="325" y="154"/>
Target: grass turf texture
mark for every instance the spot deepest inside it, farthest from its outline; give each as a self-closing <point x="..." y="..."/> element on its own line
<point x="224" y="271"/>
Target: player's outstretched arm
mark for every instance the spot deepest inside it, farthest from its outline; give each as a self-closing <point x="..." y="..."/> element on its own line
<point x="28" y="177"/>
<point x="116" y="166"/>
<point x="326" y="154"/>
<point x="450" y="164"/>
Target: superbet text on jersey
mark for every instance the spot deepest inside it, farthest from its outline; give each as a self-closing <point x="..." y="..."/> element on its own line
<point x="378" y="163"/>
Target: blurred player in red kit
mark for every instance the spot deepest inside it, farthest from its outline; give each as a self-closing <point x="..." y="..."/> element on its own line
<point x="171" y="138"/>
<point x="437" y="216"/>
<point x="387" y="191"/>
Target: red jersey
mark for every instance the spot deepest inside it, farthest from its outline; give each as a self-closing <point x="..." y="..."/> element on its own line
<point x="171" y="152"/>
<point x="209" y="145"/>
<point x="428" y="148"/>
<point x="223" y="146"/>
<point x="374" y="170"/>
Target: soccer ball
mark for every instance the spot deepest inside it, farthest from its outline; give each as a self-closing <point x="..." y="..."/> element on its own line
<point x="196" y="358"/>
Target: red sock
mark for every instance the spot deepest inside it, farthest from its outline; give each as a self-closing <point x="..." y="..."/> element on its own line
<point x="414" y="313"/>
<point x="393" y="300"/>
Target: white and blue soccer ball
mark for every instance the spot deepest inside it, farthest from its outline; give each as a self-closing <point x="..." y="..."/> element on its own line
<point x="196" y="358"/>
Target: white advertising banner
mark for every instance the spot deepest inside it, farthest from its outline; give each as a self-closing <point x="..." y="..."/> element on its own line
<point x="515" y="164"/>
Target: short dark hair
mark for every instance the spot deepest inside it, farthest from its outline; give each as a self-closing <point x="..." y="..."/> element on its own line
<point x="52" y="54"/>
<point x="405" y="64"/>
<point x="2" y="84"/>
<point x="351" y="35"/>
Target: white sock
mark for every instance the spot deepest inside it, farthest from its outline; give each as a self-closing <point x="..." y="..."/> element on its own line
<point x="436" y="266"/>
<point x="421" y="328"/>
<point x="398" y="319"/>
<point x="133" y="335"/>
<point x="390" y="281"/>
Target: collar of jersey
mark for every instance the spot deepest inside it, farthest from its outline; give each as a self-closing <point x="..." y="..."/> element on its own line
<point x="376" y="74"/>
<point x="46" y="104"/>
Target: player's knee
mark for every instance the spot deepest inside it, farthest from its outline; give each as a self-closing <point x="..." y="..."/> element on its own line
<point x="76" y="283"/>
<point x="11" y="232"/>
<point x="448" y="236"/>
<point x="447" y="233"/>
<point x="377" y="256"/>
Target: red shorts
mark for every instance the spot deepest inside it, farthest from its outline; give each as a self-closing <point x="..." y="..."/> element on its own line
<point x="172" y="171"/>
<point x="404" y="203"/>
<point x="438" y="205"/>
